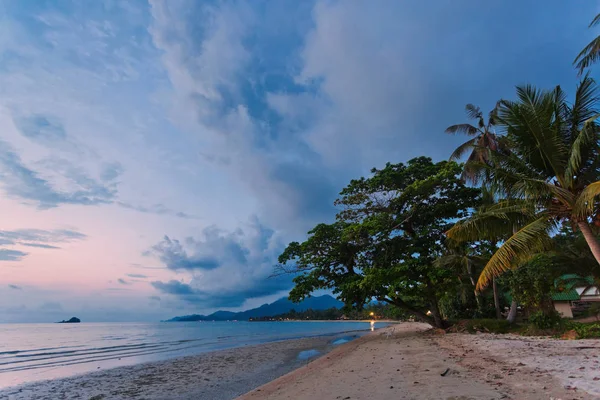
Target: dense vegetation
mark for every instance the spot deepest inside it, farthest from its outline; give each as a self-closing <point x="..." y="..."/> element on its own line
<point x="370" y="312"/>
<point x="443" y="241"/>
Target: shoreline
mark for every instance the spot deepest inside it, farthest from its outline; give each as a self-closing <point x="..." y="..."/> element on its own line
<point x="402" y="361"/>
<point x="220" y="375"/>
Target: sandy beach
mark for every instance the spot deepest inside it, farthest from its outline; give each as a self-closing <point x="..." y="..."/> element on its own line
<point x="404" y="361"/>
<point x="408" y="364"/>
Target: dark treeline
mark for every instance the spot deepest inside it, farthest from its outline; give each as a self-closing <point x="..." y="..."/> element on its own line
<point x="370" y="312"/>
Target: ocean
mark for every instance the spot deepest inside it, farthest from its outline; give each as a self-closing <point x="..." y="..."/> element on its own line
<point x="34" y="352"/>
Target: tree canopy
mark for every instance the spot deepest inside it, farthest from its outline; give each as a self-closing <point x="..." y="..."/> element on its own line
<point x="387" y="236"/>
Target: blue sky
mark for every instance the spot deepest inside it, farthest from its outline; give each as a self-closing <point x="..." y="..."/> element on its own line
<point x="156" y="156"/>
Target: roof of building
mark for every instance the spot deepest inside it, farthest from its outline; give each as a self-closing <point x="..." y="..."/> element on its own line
<point x="566" y="295"/>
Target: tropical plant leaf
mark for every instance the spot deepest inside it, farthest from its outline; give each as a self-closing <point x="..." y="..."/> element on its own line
<point x="473" y="111"/>
<point x="586" y="138"/>
<point x="496" y="222"/>
<point x="589" y="55"/>
<point x="462" y="149"/>
<point x="466" y="129"/>
<point x="586" y="203"/>
<point x="521" y="246"/>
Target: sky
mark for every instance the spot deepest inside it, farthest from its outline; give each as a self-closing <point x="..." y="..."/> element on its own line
<point x="156" y="156"/>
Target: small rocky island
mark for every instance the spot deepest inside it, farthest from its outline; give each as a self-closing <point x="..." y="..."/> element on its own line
<point x="73" y="320"/>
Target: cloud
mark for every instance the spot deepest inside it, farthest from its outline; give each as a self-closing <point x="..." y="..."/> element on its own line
<point x="123" y="281"/>
<point x="24" y="183"/>
<point x="41" y="128"/>
<point x="42" y="236"/>
<point x="40" y="245"/>
<point x="142" y="276"/>
<point x="159" y="209"/>
<point x="226" y="268"/>
<point x="111" y="171"/>
<point x="51" y="306"/>
<point x="175" y="287"/>
<point x="219" y="75"/>
<point x="174" y="256"/>
<point x="15" y="287"/>
<point x="11" y="255"/>
<point x="154" y="298"/>
<point x="35" y="238"/>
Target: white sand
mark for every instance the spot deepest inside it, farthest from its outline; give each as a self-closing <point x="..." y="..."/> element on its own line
<point x="573" y="365"/>
<point x="409" y="364"/>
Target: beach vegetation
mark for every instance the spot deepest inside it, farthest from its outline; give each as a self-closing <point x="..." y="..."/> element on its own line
<point x="388" y="234"/>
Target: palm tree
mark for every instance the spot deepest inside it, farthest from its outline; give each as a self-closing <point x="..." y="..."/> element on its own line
<point x="590" y="53"/>
<point x="484" y="139"/>
<point x="551" y="174"/>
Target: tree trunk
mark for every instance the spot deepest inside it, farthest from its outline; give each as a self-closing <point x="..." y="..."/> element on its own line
<point x="590" y="238"/>
<point x="420" y="315"/>
<point x="474" y="283"/>
<point x="496" y="299"/>
<point x="512" y="314"/>
<point x="437" y="316"/>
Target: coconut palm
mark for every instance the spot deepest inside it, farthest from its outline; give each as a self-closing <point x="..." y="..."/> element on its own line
<point x="550" y="176"/>
<point x="590" y="53"/>
<point x="484" y="139"/>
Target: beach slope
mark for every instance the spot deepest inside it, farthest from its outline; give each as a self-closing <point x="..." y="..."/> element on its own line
<point x="404" y="362"/>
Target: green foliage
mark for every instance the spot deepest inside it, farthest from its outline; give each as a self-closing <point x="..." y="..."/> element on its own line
<point x="483" y="325"/>
<point x="386" y="239"/>
<point x="585" y="330"/>
<point x="545" y="320"/>
<point x="552" y="165"/>
<point x="370" y="311"/>
<point x="532" y="283"/>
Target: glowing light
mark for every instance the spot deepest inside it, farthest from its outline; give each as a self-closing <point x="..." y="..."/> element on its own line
<point x="372" y="313"/>
<point x="428" y="312"/>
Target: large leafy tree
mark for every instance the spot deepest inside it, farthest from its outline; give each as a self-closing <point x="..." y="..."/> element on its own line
<point x="550" y="174"/>
<point x="590" y="53"/>
<point x="390" y="230"/>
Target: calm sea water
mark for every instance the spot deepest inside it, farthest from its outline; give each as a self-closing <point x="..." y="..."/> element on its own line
<point x="31" y="352"/>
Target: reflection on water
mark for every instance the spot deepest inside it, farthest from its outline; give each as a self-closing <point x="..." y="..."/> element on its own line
<point x="306" y="354"/>
<point x="372" y="326"/>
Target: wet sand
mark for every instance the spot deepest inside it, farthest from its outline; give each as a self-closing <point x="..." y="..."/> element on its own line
<point x="219" y="375"/>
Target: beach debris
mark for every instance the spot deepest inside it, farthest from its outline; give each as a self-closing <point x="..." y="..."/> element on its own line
<point x="445" y="372"/>
<point x="569" y="335"/>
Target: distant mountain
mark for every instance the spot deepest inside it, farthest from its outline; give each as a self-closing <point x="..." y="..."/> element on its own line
<point x="280" y="306"/>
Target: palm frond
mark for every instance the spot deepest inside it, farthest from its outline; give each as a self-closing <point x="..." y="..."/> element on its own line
<point x="586" y="203"/>
<point x="586" y="102"/>
<point x="585" y="139"/>
<point x="466" y="129"/>
<point x="589" y="55"/>
<point x="518" y="248"/>
<point x="473" y="111"/>
<point x="595" y="21"/>
<point x="535" y="127"/>
<point x="496" y="222"/>
<point x="494" y="114"/>
<point x="462" y="149"/>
